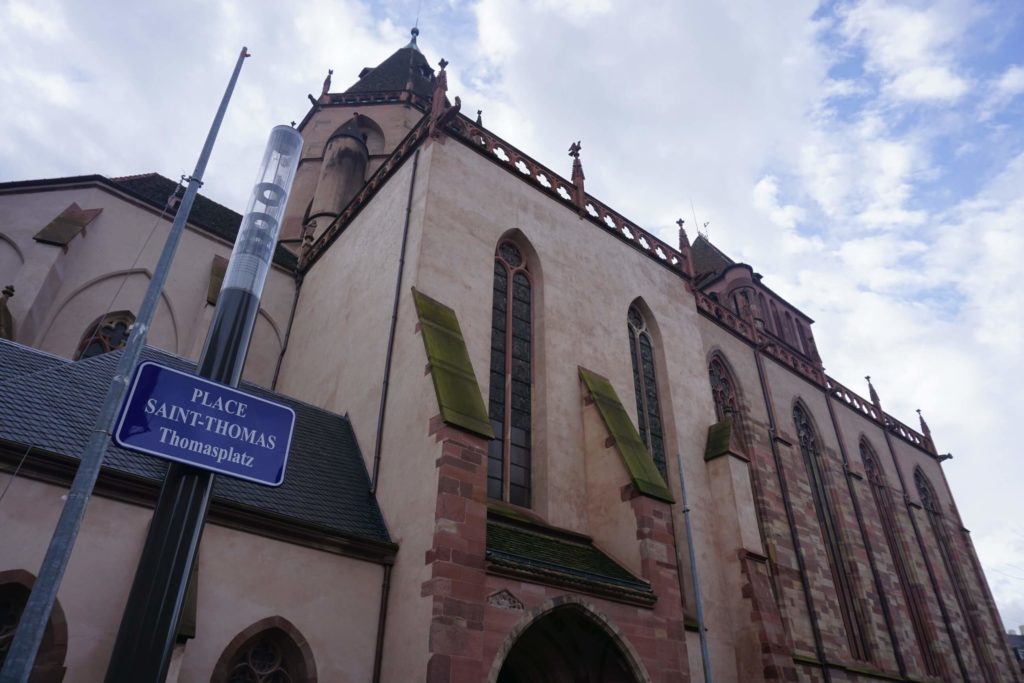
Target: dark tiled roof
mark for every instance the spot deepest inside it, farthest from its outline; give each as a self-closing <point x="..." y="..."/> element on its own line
<point x="16" y="359"/>
<point x="51" y="403"/>
<point x="707" y="259"/>
<point x="395" y="72"/>
<point x="216" y="218"/>
<point x="559" y="556"/>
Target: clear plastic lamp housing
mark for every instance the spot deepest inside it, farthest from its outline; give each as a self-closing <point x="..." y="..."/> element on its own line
<point x="257" y="237"/>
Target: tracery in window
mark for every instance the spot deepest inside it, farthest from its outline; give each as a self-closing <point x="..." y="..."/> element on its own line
<point x="15" y="586"/>
<point x="510" y="399"/>
<point x="270" y="651"/>
<point x="262" y="662"/>
<point x="723" y="391"/>
<point x="109" y="333"/>
<point x="645" y="386"/>
<point x="811" y="451"/>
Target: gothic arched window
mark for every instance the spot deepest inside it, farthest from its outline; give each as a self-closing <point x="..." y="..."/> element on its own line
<point x="887" y="515"/>
<point x="270" y="651"/>
<point x="109" y="333"/>
<point x="811" y="451"/>
<point x="508" y="455"/>
<point x="645" y="385"/>
<point x="15" y="586"/>
<point x="723" y="391"/>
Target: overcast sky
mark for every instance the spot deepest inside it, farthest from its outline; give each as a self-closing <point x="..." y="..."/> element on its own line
<point x="866" y="157"/>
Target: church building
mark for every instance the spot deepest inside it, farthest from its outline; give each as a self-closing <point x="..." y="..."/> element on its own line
<point x="503" y="388"/>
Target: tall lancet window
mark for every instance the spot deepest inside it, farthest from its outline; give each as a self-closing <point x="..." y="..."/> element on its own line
<point x="887" y="515"/>
<point x="958" y="579"/>
<point x="508" y="457"/>
<point x="811" y="450"/>
<point x="648" y="412"/>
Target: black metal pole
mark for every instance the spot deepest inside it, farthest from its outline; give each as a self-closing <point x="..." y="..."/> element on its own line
<point x="145" y="640"/>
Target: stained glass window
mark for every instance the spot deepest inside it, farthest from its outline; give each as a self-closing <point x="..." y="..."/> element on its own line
<point x="510" y="399"/>
<point x="645" y="387"/>
<point x="109" y="333"/>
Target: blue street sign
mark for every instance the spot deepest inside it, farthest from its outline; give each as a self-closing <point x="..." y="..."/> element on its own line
<point x="178" y="416"/>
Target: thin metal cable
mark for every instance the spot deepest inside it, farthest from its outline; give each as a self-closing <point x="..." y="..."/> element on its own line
<point x="14" y="474"/>
<point x="167" y="205"/>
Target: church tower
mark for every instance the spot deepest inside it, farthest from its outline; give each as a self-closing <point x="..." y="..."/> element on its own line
<point x="349" y="134"/>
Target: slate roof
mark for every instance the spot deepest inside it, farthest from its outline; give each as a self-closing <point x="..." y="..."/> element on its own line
<point x="154" y="189"/>
<point x="51" y="403"/>
<point x="707" y="259"/>
<point x="395" y="72"/>
<point x="215" y="218"/>
<point x="559" y="556"/>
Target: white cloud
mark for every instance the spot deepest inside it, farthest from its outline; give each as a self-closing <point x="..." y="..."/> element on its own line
<point x="818" y="181"/>
<point x="910" y="48"/>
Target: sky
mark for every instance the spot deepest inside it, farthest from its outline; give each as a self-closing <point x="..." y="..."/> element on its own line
<point x="866" y="156"/>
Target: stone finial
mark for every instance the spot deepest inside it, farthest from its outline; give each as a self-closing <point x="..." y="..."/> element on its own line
<point x="873" y="393"/>
<point x="924" y="425"/>
<point x="327" y="82"/>
<point x="440" y="112"/>
<point x="684" y="240"/>
<point x="480" y="117"/>
<point x="6" y="319"/>
<point x="578" y="178"/>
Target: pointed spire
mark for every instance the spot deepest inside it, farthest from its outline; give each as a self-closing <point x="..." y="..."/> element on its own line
<point x="924" y="425"/>
<point x="873" y="393"/>
<point x="578" y="177"/>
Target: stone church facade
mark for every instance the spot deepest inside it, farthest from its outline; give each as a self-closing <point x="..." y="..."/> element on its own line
<point x="501" y="384"/>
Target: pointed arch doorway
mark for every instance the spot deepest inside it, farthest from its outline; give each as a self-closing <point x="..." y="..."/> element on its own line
<point x="568" y="644"/>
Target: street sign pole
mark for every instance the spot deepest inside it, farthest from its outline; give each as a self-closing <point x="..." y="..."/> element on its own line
<point x="146" y="637"/>
<point x="22" y="655"/>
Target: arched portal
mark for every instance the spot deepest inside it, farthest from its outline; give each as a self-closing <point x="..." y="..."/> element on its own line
<point x="567" y="645"/>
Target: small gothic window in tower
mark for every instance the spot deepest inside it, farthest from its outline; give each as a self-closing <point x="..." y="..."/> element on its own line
<point x="109" y="333"/>
<point x="645" y="385"/>
<point x="723" y="391"/>
<point x="508" y="461"/>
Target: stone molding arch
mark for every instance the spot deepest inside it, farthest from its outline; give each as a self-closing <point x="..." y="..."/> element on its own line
<point x="103" y="278"/>
<point x="49" y="665"/>
<point x="14" y="245"/>
<point x="277" y="622"/>
<point x="273" y="325"/>
<point x="584" y="608"/>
